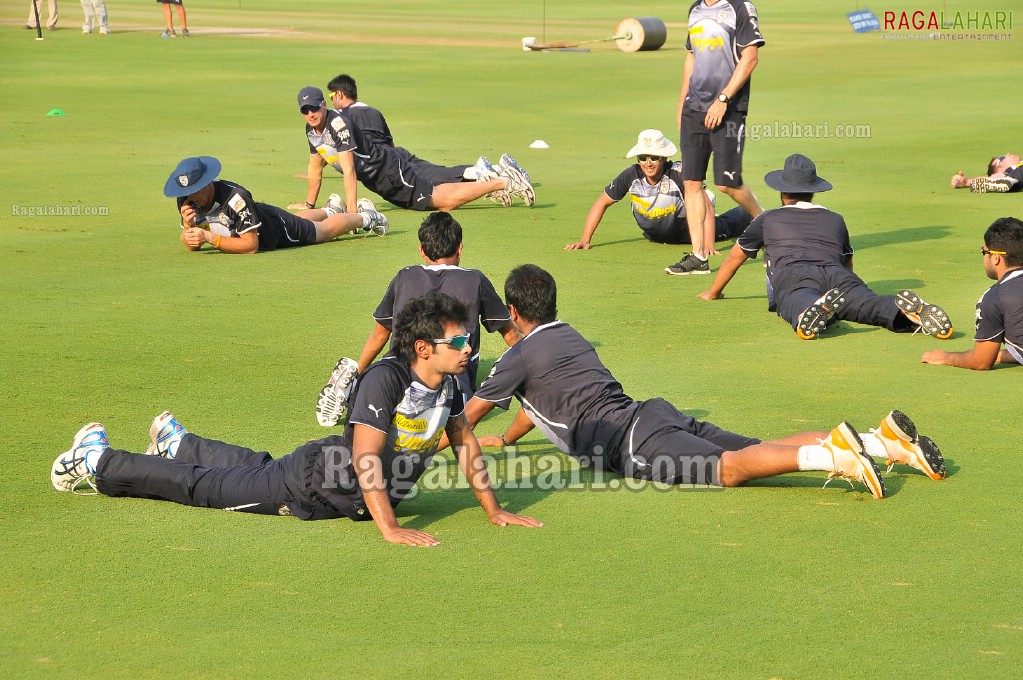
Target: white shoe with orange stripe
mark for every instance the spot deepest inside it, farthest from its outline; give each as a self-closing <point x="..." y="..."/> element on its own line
<point x="899" y="436"/>
<point x="851" y="461"/>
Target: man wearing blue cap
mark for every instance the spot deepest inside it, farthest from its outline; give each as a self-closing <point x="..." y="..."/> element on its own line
<point x="810" y="279"/>
<point x="224" y="214"/>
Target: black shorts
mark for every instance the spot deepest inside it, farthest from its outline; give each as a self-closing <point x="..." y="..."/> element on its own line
<point x="665" y="445"/>
<point x="282" y="229"/>
<point x="169" y="2"/>
<point x="400" y="183"/>
<point x="726" y="142"/>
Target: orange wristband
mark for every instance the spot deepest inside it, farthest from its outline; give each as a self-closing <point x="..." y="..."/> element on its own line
<point x="217" y="244"/>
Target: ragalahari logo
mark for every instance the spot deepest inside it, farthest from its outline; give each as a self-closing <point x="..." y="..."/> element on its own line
<point x="931" y="21"/>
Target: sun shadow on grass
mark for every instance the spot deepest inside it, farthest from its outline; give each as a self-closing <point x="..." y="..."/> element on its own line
<point x="892" y="286"/>
<point x="907" y="235"/>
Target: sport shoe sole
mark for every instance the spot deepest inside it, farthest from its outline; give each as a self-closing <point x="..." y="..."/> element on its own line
<point x="931" y="319"/>
<point x="899" y="435"/>
<point x="508" y="162"/>
<point x="518" y="185"/>
<point x="985" y="185"/>
<point x="844" y="442"/>
<point x="332" y="401"/>
<point x="815" y="318"/>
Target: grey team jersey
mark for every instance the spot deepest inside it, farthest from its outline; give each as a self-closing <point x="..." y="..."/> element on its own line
<point x="564" y="389"/>
<point x="371" y="122"/>
<point x="717" y="36"/>
<point x="797" y="234"/>
<point x="470" y="286"/>
<point x="652" y="205"/>
<point x="389" y="397"/>
<point x="1000" y="314"/>
<point x="234" y="212"/>
<point x="339" y="135"/>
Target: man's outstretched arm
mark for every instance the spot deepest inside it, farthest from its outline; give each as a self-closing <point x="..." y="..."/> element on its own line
<point x="981" y="358"/>
<point x="736" y="257"/>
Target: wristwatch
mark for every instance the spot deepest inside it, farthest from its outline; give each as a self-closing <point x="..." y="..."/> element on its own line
<point x="724" y="98"/>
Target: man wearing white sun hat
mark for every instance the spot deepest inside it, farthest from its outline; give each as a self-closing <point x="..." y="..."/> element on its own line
<point x="654" y="186"/>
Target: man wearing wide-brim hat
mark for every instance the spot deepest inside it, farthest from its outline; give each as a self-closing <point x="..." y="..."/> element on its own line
<point x="809" y="265"/>
<point x="224" y="215"/>
<point x="654" y="186"/>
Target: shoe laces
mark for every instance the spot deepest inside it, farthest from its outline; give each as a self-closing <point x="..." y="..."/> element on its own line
<point x="90" y="481"/>
<point x="836" y="473"/>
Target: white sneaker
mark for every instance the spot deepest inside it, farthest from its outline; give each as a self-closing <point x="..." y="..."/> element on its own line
<point x="485" y="172"/>
<point x="365" y="204"/>
<point x="899" y="435"/>
<point x="69" y="470"/>
<point x="333" y="400"/>
<point x="518" y="185"/>
<point x="377" y="222"/>
<point x="508" y="162"/>
<point x="335" y="204"/>
<point x="165" y="434"/>
<point x="851" y="461"/>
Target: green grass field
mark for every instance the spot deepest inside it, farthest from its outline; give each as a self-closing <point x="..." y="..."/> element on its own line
<point x="109" y="318"/>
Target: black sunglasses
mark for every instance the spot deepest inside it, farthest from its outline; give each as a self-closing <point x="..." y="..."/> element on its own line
<point x="306" y="110"/>
<point x="643" y="159"/>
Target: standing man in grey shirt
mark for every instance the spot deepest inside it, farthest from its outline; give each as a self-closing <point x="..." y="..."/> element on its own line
<point x="723" y="43"/>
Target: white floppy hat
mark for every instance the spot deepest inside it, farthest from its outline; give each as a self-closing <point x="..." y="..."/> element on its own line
<point x="652" y="143"/>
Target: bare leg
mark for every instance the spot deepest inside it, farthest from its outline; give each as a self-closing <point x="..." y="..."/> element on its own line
<point x="743" y="195"/>
<point x="696" y="213"/>
<point x="766" y="459"/>
<point x="167" y="19"/>
<point x="181" y="16"/>
<point x="450" y="196"/>
<point x="329" y="227"/>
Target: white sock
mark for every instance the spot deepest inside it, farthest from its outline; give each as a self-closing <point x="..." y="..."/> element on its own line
<point x="815" y="457"/>
<point x="701" y="258"/>
<point x="471" y="173"/>
<point x="366" y="220"/>
<point x="330" y="210"/>
<point x="92" y="459"/>
<point x="873" y="445"/>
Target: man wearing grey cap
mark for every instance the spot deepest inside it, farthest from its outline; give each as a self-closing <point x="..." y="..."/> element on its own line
<point x="224" y="214"/>
<point x="809" y="265"/>
<point x="335" y="140"/>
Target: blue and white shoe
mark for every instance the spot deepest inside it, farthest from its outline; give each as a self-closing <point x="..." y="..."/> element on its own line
<point x="71" y="470"/>
<point x="487" y="171"/>
<point x="165" y="434"/>
<point x="518" y="185"/>
<point x="377" y="223"/>
<point x="509" y="162"/>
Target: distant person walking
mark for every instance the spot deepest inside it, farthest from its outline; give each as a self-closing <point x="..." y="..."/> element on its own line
<point x="33" y="9"/>
<point x="168" y="21"/>
<point x="95" y="16"/>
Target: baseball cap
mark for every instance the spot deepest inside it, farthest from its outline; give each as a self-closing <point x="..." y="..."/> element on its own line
<point x="310" y="96"/>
